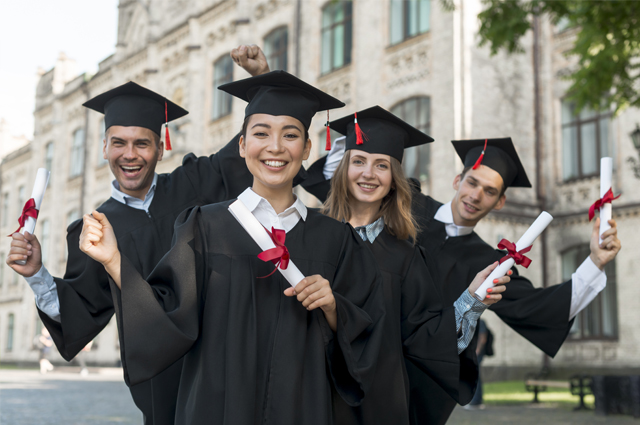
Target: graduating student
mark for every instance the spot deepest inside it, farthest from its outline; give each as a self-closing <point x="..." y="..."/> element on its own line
<point x="142" y="209"/>
<point x="255" y="349"/>
<point x="369" y="190"/>
<point x="543" y="316"/>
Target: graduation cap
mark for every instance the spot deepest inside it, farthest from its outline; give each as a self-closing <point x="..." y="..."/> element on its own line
<point x="131" y="105"/>
<point x="376" y="130"/>
<point x="498" y="154"/>
<point x="280" y="93"/>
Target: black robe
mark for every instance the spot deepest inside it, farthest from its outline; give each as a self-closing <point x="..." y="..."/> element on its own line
<point x="539" y="315"/>
<point x="416" y="328"/>
<point x="86" y="303"/>
<point x="251" y="354"/>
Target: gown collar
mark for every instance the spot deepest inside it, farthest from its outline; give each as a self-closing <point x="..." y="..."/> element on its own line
<point x="445" y="215"/>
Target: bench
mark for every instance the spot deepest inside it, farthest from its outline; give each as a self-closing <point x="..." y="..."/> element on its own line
<point x="580" y="385"/>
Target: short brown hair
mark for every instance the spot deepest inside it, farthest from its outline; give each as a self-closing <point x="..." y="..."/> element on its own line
<point x="395" y="208"/>
<point x="464" y="171"/>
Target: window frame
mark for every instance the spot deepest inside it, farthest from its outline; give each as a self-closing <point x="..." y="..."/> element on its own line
<point x="77" y="153"/>
<point x="218" y="95"/>
<point x="425" y="128"/>
<point x="347" y="47"/>
<point x="406" y="20"/>
<point x="283" y="52"/>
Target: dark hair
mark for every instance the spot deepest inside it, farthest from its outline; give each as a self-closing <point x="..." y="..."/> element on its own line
<point x="245" y="124"/>
<point x="464" y="171"/>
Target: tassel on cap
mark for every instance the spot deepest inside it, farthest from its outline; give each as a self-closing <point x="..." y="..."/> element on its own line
<point x="328" y="144"/>
<point x="167" y="139"/>
<point x="360" y="135"/>
<point x="479" y="161"/>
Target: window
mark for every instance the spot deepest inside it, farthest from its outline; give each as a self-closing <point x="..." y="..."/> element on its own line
<point x="76" y="167"/>
<point x="22" y="199"/>
<point x="275" y="48"/>
<point x="599" y="320"/>
<point x="48" y="157"/>
<point x="44" y="240"/>
<point x="585" y="139"/>
<point x="222" y="74"/>
<point x="10" y="328"/>
<point x="336" y="36"/>
<point x="5" y="209"/>
<point x="408" y="18"/>
<point x="417" y="112"/>
<point x="101" y="136"/>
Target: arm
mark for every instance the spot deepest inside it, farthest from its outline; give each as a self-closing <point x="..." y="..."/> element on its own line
<point x="319" y="174"/>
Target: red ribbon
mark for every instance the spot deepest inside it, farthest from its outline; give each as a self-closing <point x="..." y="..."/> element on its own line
<point x="278" y="255"/>
<point x="29" y="210"/>
<point x="479" y="160"/>
<point x="518" y="256"/>
<point x="606" y="199"/>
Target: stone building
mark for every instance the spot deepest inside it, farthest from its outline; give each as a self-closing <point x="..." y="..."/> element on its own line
<point x="412" y="57"/>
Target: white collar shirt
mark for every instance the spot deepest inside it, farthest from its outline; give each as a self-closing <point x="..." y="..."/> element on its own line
<point x="267" y="216"/>
<point x="445" y="215"/>
<point x="132" y="201"/>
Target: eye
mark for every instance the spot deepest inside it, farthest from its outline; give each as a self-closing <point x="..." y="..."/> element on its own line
<point x="383" y="166"/>
<point x="260" y="134"/>
<point x="292" y="136"/>
<point x="471" y="183"/>
<point x="357" y="162"/>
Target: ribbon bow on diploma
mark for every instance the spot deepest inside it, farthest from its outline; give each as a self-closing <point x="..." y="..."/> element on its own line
<point x="606" y="199"/>
<point x="518" y="256"/>
<point x="29" y="210"/>
<point x="278" y="255"/>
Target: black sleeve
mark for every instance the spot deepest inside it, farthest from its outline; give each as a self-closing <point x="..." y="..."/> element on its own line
<point x="86" y="306"/>
<point x="429" y="333"/>
<point x="160" y="317"/>
<point x="352" y="351"/>
<point x="315" y="183"/>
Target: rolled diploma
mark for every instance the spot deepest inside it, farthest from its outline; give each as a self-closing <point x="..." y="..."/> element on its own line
<point x="39" y="187"/>
<point x="532" y="233"/>
<point x="606" y="170"/>
<point x="260" y="236"/>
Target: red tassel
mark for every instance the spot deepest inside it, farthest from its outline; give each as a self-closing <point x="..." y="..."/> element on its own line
<point x="479" y="161"/>
<point x="360" y="135"/>
<point x="167" y="139"/>
<point x="328" y="144"/>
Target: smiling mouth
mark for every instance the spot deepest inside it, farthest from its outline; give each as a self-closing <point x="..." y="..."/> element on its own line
<point x="131" y="169"/>
<point x="274" y="164"/>
<point x="367" y="186"/>
<point x="471" y="207"/>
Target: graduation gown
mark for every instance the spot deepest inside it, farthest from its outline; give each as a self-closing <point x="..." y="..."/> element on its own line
<point x="541" y="315"/>
<point x="251" y="354"/>
<point x="417" y="329"/>
<point x="86" y="303"/>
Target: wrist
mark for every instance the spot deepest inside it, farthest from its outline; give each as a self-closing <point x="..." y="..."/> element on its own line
<point x="113" y="264"/>
<point x="594" y="258"/>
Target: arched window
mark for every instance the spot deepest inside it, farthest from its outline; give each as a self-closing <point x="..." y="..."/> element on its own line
<point x="222" y="74"/>
<point x="417" y="112"/>
<point x="336" y="35"/>
<point x="408" y="18"/>
<point x="599" y="320"/>
<point x="76" y="165"/>
<point x="275" y="48"/>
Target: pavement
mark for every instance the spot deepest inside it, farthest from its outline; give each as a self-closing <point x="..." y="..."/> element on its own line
<point x="101" y="398"/>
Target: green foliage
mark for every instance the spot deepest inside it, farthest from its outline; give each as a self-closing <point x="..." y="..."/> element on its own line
<point x="606" y="44"/>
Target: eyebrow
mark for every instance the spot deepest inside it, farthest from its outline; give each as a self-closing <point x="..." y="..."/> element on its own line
<point x="286" y="127"/>
<point x="485" y="187"/>
<point x="116" y="138"/>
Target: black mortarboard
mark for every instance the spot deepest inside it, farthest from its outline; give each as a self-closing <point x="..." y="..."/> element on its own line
<point x="280" y="93"/>
<point x="131" y="105"/>
<point x="376" y="130"/>
<point x="500" y="155"/>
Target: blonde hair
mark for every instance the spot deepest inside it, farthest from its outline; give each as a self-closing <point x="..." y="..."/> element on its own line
<point x="395" y="208"/>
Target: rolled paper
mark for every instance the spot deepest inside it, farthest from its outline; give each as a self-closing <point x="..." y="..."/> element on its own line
<point x="258" y="233"/>
<point x="527" y="239"/>
<point x="39" y="187"/>
<point x="606" y="171"/>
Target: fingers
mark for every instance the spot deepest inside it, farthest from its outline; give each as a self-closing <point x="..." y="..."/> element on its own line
<point x="101" y="218"/>
<point x="596" y="228"/>
<point x="12" y="258"/>
<point x="501" y="281"/>
<point x="487" y="271"/>
<point x="253" y="51"/>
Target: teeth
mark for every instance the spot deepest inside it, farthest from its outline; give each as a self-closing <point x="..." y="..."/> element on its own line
<point x="275" y="163"/>
<point x="130" y="168"/>
<point x="367" y="186"/>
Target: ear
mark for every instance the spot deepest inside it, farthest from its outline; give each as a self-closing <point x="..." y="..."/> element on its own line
<point x="307" y="150"/>
<point x="456" y="182"/>
<point x="104" y="148"/>
<point x="161" y="150"/>
<point x="501" y="202"/>
<point x="241" y="146"/>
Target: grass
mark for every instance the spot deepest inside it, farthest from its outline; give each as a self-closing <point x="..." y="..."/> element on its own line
<point x="514" y="393"/>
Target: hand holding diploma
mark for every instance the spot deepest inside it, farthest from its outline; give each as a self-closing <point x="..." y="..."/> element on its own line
<point x="606" y="196"/>
<point x="521" y="247"/>
<point x="604" y="246"/>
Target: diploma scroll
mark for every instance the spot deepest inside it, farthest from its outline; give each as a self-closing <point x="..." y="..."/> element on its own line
<point x="39" y="187"/>
<point x="606" y="171"/>
<point x="525" y="241"/>
<point x="262" y="238"/>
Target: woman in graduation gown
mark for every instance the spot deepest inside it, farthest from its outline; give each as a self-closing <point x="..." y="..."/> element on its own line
<point x="370" y="191"/>
<point x="255" y="349"/>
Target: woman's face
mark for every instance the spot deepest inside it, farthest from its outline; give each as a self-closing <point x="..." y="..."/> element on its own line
<point x="274" y="148"/>
<point x="369" y="175"/>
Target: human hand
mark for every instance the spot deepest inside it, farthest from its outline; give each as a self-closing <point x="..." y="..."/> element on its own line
<point x="98" y="240"/>
<point x="251" y="59"/>
<point x="494" y="293"/>
<point x="25" y="247"/>
<point x="313" y="292"/>
<point x="602" y="253"/>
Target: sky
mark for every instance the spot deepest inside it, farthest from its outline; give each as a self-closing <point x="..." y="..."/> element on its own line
<point x="33" y="33"/>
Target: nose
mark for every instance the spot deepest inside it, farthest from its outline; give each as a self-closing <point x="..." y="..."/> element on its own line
<point x="476" y="194"/>
<point x="367" y="172"/>
<point x="129" y="152"/>
<point x="275" y="144"/>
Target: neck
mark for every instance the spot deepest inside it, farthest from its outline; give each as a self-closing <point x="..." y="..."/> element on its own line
<point x="140" y="193"/>
<point x="280" y="198"/>
<point x="363" y="213"/>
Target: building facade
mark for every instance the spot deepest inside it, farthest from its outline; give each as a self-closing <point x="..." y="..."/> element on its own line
<point x="410" y="56"/>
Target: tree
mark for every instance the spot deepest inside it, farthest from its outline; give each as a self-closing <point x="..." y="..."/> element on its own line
<point x="606" y="44"/>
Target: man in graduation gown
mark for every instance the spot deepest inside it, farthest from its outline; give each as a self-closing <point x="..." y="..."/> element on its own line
<point x="544" y="316"/>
